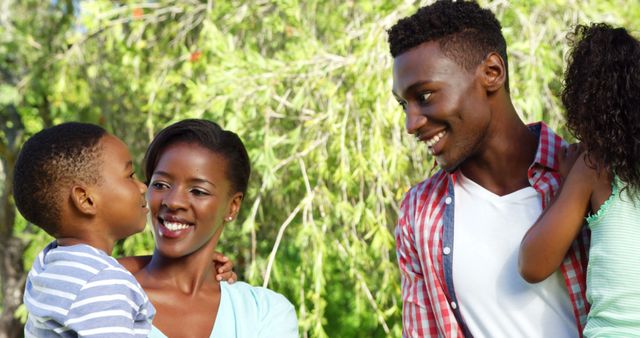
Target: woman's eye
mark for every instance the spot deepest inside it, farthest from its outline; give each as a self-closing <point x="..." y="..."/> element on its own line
<point x="403" y="104"/>
<point x="198" y="192"/>
<point x="158" y="185"/>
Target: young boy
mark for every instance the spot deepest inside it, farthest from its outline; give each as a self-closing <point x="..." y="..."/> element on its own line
<point x="77" y="183"/>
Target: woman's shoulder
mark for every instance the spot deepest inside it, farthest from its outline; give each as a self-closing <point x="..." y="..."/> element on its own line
<point x="255" y="295"/>
<point x="134" y="263"/>
<point x="270" y="311"/>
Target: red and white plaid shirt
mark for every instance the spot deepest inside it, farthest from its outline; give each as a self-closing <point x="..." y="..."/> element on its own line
<point x="424" y="244"/>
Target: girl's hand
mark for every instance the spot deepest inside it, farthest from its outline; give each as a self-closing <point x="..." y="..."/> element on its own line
<point x="224" y="268"/>
<point x="568" y="157"/>
<point x="546" y="243"/>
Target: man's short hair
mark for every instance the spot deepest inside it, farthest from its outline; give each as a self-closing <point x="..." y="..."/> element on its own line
<point x="48" y="163"/>
<point x="466" y="32"/>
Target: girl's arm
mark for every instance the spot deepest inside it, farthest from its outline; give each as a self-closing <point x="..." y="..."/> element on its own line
<point x="546" y="243"/>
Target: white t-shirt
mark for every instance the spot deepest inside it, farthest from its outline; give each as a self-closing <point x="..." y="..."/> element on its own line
<point x="494" y="299"/>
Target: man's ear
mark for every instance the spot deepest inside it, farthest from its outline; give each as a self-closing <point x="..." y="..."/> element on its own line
<point x="234" y="206"/>
<point x="493" y="72"/>
<point x="82" y="200"/>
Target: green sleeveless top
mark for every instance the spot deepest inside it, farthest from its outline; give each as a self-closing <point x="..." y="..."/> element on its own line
<point x="613" y="273"/>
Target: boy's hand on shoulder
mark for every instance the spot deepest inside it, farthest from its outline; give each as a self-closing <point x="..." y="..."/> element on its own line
<point x="224" y="268"/>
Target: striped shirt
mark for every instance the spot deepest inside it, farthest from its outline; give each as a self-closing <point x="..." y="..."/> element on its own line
<point x="614" y="266"/>
<point x="424" y="246"/>
<point x="80" y="291"/>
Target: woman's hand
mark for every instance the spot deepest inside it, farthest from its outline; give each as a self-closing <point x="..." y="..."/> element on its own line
<point x="224" y="268"/>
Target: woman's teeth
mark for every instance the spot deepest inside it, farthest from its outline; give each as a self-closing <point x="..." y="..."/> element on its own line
<point x="173" y="226"/>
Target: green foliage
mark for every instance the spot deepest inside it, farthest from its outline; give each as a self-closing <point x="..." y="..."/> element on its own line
<point x="306" y="84"/>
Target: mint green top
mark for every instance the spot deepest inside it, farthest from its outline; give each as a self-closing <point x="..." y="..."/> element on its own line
<point x="613" y="273"/>
<point x="250" y="312"/>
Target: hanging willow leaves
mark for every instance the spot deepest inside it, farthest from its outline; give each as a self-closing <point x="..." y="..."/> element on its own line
<point x="306" y="84"/>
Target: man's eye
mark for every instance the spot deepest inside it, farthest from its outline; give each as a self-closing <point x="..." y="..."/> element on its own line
<point x="403" y="104"/>
<point x="424" y="97"/>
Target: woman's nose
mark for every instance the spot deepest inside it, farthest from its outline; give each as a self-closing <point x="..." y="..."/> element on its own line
<point x="174" y="199"/>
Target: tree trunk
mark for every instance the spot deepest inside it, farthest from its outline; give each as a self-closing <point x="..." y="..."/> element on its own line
<point x="13" y="278"/>
<point x="12" y="274"/>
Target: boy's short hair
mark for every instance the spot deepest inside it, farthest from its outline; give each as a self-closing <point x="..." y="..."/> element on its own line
<point x="208" y="135"/>
<point x="48" y="163"/>
<point x="466" y="32"/>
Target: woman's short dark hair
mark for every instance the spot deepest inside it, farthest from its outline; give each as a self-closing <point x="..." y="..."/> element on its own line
<point x="208" y="135"/>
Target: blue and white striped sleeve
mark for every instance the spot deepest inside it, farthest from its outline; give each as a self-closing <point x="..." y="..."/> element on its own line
<point x="111" y="304"/>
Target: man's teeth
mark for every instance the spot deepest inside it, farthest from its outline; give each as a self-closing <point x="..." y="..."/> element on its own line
<point x="175" y="226"/>
<point x="431" y="142"/>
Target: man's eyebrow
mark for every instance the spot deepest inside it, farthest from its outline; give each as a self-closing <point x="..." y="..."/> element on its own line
<point x="128" y="165"/>
<point x="418" y="84"/>
<point x="412" y="87"/>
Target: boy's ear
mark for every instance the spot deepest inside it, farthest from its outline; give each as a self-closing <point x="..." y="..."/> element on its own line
<point x="493" y="72"/>
<point x="82" y="200"/>
<point x="234" y="207"/>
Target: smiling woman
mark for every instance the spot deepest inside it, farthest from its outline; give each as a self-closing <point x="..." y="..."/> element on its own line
<point x="190" y="198"/>
<point x="197" y="174"/>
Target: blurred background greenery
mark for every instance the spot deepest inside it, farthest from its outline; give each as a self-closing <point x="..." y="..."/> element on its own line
<point x="305" y="83"/>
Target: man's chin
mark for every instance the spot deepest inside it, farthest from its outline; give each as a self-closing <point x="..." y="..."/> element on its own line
<point x="447" y="166"/>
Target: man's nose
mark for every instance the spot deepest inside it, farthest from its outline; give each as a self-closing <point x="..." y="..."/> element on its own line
<point x="414" y="120"/>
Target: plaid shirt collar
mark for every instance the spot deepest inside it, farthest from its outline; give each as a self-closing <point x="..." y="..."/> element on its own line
<point x="549" y="146"/>
<point x="424" y="237"/>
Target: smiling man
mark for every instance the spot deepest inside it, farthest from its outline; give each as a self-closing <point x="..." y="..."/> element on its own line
<point x="459" y="231"/>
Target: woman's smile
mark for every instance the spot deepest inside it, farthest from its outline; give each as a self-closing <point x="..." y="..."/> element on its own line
<point x="189" y="199"/>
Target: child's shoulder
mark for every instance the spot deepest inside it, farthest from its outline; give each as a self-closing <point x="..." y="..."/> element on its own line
<point x="80" y="256"/>
<point x="71" y="286"/>
<point x="77" y="265"/>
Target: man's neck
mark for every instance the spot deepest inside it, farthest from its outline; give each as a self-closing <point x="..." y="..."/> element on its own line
<point x="503" y="165"/>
